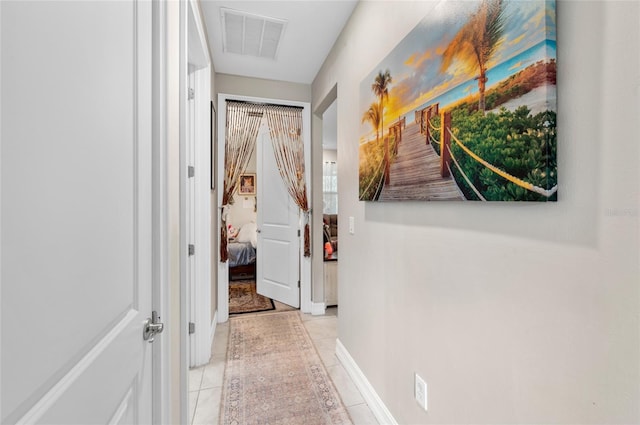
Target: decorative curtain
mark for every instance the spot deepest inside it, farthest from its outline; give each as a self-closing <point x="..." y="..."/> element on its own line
<point x="285" y="128"/>
<point x="243" y="123"/>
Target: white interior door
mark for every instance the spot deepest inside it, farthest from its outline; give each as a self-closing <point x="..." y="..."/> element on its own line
<point x="75" y="211"/>
<point x="278" y="270"/>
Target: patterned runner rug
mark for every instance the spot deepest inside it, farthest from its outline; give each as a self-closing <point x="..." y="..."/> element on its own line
<point x="274" y="375"/>
<point x="243" y="298"/>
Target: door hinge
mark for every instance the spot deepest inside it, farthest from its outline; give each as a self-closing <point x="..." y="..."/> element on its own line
<point x="298" y="232"/>
<point x="192" y="249"/>
<point x="192" y="328"/>
<point x="191" y="171"/>
<point x="191" y="94"/>
<point x="298" y="284"/>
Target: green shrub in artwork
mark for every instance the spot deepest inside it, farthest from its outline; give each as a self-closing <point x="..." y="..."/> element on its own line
<point x="519" y="143"/>
<point x="371" y="167"/>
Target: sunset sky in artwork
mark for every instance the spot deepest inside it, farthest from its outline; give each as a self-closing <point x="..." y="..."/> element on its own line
<point x="415" y="62"/>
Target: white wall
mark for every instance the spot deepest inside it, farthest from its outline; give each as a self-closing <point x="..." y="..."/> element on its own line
<point x="257" y="87"/>
<point x="512" y="312"/>
<point x="213" y="203"/>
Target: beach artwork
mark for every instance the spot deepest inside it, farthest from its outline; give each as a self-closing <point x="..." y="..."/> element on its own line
<point x="464" y="107"/>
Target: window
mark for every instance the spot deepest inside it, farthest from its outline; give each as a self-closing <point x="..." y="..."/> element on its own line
<point x="330" y="187"/>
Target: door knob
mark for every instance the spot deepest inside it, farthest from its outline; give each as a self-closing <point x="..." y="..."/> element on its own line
<point x="152" y="327"/>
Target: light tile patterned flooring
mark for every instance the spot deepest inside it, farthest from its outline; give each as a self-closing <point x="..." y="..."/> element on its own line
<point x="205" y="382"/>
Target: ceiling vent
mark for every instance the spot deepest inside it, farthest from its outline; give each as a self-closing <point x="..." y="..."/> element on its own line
<point x="253" y="35"/>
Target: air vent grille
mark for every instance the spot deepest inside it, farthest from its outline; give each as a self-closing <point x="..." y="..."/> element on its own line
<point x="249" y="34"/>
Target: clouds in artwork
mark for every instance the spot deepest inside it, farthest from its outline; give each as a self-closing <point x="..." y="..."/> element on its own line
<point x="415" y="64"/>
<point x="527" y="23"/>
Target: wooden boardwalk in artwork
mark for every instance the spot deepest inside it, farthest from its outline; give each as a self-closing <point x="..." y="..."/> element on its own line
<point x="415" y="172"/>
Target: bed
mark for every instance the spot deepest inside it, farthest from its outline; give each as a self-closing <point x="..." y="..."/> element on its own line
<point x="242" y="260"/>
<point x="242" y="253"/>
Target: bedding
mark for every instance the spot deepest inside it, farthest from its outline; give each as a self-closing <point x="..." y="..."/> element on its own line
<point x="248" y="233"/>
<point x="241" y="253"/>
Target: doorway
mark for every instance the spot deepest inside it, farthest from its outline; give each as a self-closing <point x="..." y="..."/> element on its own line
<point x="304" y="263"/>
<point x="263" y="238"/>
<point x="330" y="203"/>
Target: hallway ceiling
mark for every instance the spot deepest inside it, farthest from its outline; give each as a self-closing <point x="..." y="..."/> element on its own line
<point x="311" y="29"/>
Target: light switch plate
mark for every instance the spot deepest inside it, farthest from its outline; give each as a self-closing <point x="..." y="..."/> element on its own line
<point x="352" y="225"/>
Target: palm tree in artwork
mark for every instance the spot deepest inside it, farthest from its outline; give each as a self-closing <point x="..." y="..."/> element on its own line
<point x="476" y="42"/>
<point x="373" y="116"/>
<point x="380" y="88"/>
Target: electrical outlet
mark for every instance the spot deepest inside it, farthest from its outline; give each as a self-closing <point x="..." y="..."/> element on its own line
<point x="421" y="391"/>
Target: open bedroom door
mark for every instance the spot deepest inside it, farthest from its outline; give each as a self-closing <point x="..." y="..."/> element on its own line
<point x="278" y="252"/>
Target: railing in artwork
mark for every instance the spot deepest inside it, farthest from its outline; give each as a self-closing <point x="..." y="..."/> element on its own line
<point x="432" y="127"/>
<point x="423" y="118"/>
<point x="395" y="131"/>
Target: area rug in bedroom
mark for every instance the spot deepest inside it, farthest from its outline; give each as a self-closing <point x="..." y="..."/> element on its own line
<point x="243" y="298"/>
<point x="274" y="375"/>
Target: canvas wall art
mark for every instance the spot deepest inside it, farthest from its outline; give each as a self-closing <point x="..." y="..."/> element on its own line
<point x="464" y="107"/>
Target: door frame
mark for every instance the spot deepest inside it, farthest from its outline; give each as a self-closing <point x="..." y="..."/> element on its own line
<point x="316" y="229"/>
<point x="198" y="209"/>
<point x="161" y="356"/>
<point x="198" y="215"/>
<point x="305" y="262"/>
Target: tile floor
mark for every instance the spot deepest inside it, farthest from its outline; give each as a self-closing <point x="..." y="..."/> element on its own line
<point x="205" y="382"/>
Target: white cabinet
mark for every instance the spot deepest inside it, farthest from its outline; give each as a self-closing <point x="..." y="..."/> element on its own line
<point x="331" y="282"/>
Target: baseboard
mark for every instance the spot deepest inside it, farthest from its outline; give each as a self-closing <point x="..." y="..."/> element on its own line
<point x="318" y="309"/>
<point x="379" y="410"/>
